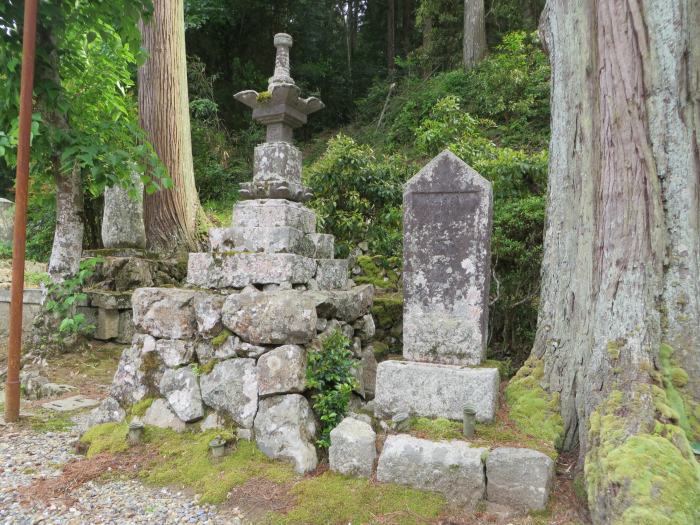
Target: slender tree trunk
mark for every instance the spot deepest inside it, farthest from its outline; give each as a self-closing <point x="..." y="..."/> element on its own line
<point x="391" y="35"/>
<point x="407" y="25"/>
<point x="474" y="39"/>
<point x="621" y="267"/>
<point x="170" y="215"/>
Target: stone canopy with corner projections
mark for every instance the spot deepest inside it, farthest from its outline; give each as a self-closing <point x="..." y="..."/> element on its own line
<point x="447" y="256"/>
<point x="232" y="344"/>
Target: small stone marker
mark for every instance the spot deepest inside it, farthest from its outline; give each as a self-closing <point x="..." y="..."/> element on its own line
<point x="7" y="209"/>
<point x="71" y="403"/>
<point x="447" y="256"/>
<point x="122" y="218"/>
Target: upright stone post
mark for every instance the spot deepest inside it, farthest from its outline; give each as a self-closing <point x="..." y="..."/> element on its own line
<point x="122" y="219"/>
<point x="447" y="264"/>
<point x="7" y="209"/>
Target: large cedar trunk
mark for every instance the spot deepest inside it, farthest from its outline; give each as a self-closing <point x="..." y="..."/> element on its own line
<point x="621" y="268"/>
<point x="170" y="215"/>
<point x="474" y="38"/>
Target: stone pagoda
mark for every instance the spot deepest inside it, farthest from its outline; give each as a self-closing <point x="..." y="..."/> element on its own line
<point x="230" y="348"/>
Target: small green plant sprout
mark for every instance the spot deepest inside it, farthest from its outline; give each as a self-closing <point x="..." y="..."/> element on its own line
<point x="64" y="297"/>
<point x="264" y="96"/>
<point x="330" y="377"/>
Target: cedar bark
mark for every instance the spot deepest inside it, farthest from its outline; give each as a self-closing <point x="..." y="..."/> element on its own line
<point x="170" y="215"/>
<point x="621" y="267"/>
<point x="474" y="38"/>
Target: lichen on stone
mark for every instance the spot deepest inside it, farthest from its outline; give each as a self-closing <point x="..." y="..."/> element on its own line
<point x="533" y="410"/>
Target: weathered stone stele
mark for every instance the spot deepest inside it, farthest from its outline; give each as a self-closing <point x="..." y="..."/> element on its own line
<point x="122" y="218"/>
<point x="447" y="254"/>
<point x="7" y="209"/>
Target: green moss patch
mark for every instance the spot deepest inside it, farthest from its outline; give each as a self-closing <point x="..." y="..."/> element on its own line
<point x="655" y="476"/>
<point x="185" y="459"/>
<point x="388" y="310"/>
<point x="50" y="421"/>
<point x="139" y="408"/>
<point x="221" y="338"/>
<point x="532" y="409"/>
<point x="108" y="437"/>
<point x="377" y="271"/>
<point x="674" y="378"/>
<point x="331" y="498"/>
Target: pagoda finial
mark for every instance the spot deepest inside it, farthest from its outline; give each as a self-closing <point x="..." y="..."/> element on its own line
<point x="283" y="43"/>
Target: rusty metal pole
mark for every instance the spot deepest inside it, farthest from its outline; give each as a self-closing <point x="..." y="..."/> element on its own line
<point x="14" y="349"/>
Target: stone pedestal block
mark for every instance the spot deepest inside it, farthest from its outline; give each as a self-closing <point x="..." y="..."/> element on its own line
<point x="277" y="161"/>
<point x="107" y="324"/>
<point x="271" y="213"/>
<point x="237" y="270"/>
<point x="353" y="448"/>
<point x="452" y="468"/>
<point x="332" y="274"/>
<point x="519" y="477"/>
<point x="430" y="390"/>
<point x="279" y="239"/>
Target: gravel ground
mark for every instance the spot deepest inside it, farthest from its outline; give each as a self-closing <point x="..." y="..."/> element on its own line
<point x="26" y="456"/>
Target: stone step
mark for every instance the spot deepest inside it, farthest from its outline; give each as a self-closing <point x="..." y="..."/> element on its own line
<point x="237" y="270"/>
<point x="275" y="239"/>
<point x="271" y="213"/>
<point x="432" y="390"/>
<point x="452" y="468"/>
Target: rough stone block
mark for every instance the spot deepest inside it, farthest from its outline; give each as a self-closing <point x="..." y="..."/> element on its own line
<point x="175" y="352"/>
<point x="181" y="389"/>
<point x="353" y="448"/>
<point x="280" y="239"/>
<point x="110" y="300"/>
<point x="324" y="245"/>
<point x="232" y="387"/>
<point x="271" y="317"/>
<point x="107" y="324"/>
<point x="207" y="311"/>
<point x="129" y="384"/>
<point x="285" y="428"/>
<point x="274" y="161"/>
<point x="447" y="263"/>
<point x="332" y="274"/>
<point x="519" y="477"/>
<point x="126" y="327"/>
<point x="237" y="270"/>
<point x="431" y="390"/>
<point x="160" y="415"/>
<point x="282" y="371"/>
<point x="452" y="468"/>
<point x="346" y="305"/>
<point x="271" y="213"/>
<point x="164" y="312"/>
<point x="7" y="209"/>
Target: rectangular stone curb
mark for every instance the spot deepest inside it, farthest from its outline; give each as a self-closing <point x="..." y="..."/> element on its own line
<point x="431" y="390"/>
<point x="519" y="477"/>
<point x="237" y="270"/>
<point x="452" y="468"/>
<point x="270" y="213"/>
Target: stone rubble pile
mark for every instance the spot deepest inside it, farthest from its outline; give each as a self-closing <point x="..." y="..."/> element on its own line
<point x="231" y="347"/>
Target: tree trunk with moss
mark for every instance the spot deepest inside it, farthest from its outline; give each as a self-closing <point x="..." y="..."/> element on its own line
<point x="618" y="339"/>
<point x="170" y="215"/>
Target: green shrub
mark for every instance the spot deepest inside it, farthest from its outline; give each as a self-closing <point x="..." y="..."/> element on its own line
<point x="358" y="197"/>
<point x="330" y="376"/>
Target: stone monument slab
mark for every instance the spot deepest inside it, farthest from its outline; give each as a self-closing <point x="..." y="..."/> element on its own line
<point x="447" y="257"/>
<point x="7" y="209"/>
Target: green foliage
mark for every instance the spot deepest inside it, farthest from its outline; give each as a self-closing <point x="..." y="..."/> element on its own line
<point x="332" y="498"/>
<point x="64" y="297"/>
<point x="330" y="376"/>
<point x="532" y="409"/>
<point x="5" y="251"/>
<point x="378" y="271"/>
<point x="358" y="197"/>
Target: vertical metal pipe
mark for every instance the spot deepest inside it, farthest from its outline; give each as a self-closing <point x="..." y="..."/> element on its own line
<point x="14" y="349"/>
